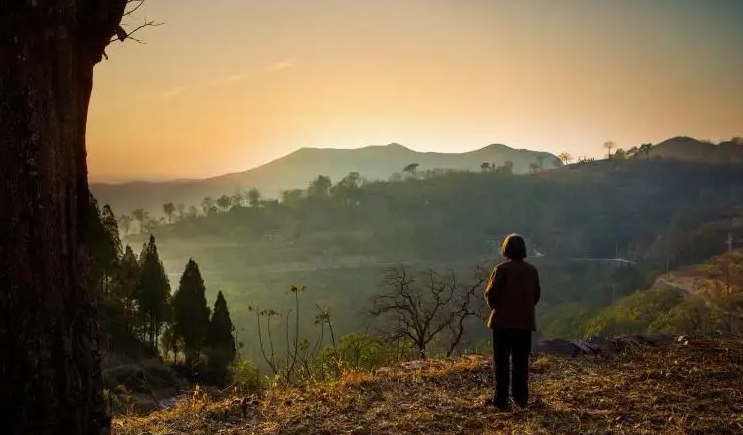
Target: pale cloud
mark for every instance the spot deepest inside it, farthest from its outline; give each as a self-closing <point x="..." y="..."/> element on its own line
<point x="274" y="67"/>
<point x="173" y="92"/>
<point x="284" y="64"/>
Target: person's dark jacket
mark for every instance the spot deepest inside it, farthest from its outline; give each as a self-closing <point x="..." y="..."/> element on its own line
<point x="512" y="293"/>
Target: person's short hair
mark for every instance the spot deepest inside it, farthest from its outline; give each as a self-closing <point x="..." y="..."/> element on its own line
<point x="513" y="247"/>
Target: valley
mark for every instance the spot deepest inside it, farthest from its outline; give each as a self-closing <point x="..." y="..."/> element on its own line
<point x="599" y="231"/>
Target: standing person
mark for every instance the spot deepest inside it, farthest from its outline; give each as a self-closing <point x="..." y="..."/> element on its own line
<point x="512" y="293"/>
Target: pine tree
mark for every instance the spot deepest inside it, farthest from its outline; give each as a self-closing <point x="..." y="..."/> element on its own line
<point x="190" y="311"/>
<point x="220" y="341"/>
<point x="105" y="248"/>
<point x="126" y="289"/>
<point x="153" y="292"/>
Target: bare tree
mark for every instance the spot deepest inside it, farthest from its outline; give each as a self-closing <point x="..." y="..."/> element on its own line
<point x="300" y="354"/>
<point x="420" y="307"/>
<point x="49" y="355"/>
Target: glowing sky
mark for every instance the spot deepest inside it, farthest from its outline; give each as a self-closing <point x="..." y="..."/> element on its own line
<point x="226" y="85"/>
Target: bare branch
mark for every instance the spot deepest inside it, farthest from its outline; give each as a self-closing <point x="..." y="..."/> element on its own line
<point x="121" y="34"/>
<point x="130" y="10"/>
<point x="420" y="310"/>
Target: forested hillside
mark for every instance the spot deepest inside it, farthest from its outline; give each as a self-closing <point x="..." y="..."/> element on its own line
<point x="339" y="239"/>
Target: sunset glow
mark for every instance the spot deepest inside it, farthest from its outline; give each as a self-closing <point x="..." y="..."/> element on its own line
<point x="227" y="85"/>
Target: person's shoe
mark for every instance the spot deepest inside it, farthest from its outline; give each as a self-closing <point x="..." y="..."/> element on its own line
<point x="497" y="405"/>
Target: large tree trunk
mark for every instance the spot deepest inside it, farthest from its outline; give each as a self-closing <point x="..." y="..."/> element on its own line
<point x="50" y="377"/>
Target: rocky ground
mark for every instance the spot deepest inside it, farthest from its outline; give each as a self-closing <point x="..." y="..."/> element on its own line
<point x="634" y="385"/>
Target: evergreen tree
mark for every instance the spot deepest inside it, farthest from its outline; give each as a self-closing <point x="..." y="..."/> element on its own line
<point x="220" y="341"/>
<point x="105" y="248"/>
<point x="190" y="311"/>
<point x="153" y="292"/>
<point x="126" y="290"/>
<point x="171" y="343"/>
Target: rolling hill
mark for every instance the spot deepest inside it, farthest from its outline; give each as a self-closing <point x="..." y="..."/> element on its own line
<point x="297" y="169"/>
<point x="687" y="148"/>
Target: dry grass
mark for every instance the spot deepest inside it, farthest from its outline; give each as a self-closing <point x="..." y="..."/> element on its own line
<point x="686" y="387"/>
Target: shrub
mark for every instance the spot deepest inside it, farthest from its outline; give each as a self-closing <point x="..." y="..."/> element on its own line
<point x="245" y="376"/>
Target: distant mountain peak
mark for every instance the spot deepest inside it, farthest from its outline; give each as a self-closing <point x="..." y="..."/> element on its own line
<point x="395" y="145"/>
<point x="495" y="147"/>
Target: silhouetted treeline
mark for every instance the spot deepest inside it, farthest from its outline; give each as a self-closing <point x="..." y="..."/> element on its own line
<point x="138" y="314"/>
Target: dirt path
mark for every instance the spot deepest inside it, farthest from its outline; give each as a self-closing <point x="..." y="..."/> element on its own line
<point x="692" y="292"/>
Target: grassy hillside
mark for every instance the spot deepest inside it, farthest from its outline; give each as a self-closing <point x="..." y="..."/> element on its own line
<point x="296" y="170"/>
<point x="689" y="386"/>
<point x="693" y="299"/>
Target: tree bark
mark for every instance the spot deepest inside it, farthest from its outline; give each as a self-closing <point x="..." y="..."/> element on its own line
<point x="50" y="376"/>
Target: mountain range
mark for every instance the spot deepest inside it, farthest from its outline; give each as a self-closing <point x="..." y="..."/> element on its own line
<point x="297" y="169"/>
<point x="376" y="162"/>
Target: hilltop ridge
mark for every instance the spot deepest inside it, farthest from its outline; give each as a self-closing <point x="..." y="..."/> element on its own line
<point x="688" y="148"/>
<point x="296" y="170"/>
<point x="685" y="385"/>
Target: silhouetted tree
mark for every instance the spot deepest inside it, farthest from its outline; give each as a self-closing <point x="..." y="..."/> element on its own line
<point x="190" y="312"/>
<point x="125" y="223"/>
<point x="645" y="149"/>
<point x="420" y="308"/>
<point x="127" y="286"/>
<point x="153" y="291"/>
<point x="238" y="198"/>
<point x="507" y="168"/>
<point x="105" y="247"/>
<point x="224" y="203"/>
<point x="291" y="197"/>
<point x="348" y="189"/>
<point x="169" y="209"/>
<point x="411" y="169"/>
<point x="141" y="216"/>
<point x="620" y="154"/>
<point x="485" y="166"/>
<point x="219" y="345"/>
<point x="320" y="187"/>
<point x="608" y="146"/>
<point x="254" y="197"/>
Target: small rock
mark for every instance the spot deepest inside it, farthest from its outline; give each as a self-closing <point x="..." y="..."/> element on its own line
<point x="559" y="347"/>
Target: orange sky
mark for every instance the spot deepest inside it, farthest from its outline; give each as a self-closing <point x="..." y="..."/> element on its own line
<point x="226" y="85"/>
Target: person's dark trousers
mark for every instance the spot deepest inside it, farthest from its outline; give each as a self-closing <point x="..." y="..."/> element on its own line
<point x="516" y="344"/>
